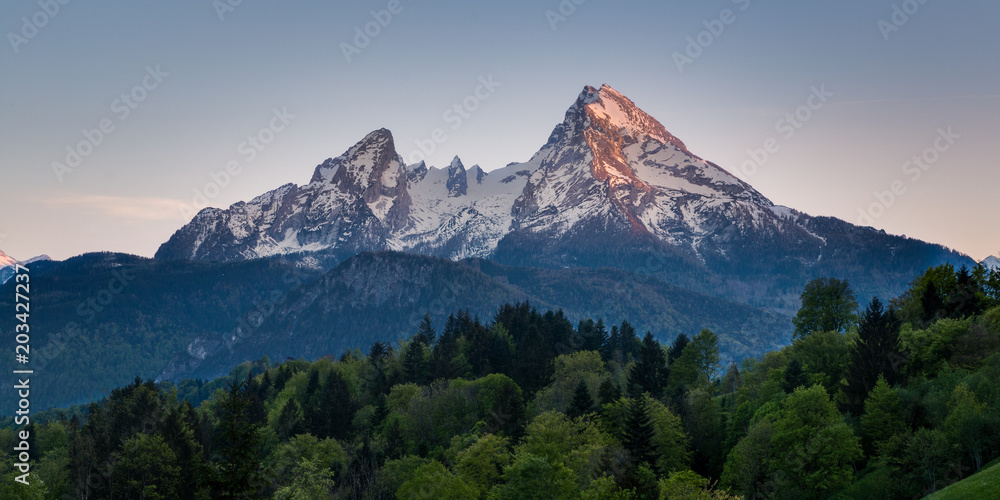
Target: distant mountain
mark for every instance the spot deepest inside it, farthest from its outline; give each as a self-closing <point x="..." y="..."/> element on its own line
<point x="7" y="265"/>
<point x="991" y="262"/>
<point x="610" y="188"/>
<point x="106" y="318"/>
<point x="99" y="320"/>
<point x="383" y="296"/>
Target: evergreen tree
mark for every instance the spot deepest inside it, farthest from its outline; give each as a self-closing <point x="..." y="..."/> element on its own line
<point x="310" y="410"/>
<point x="601" y="334"/>
<point x="608" y="392"/>
<point x="794" y="376"/>
<point x="629" y="341"/>
<point x="931" y="303"/>
<point x="180" y="437"/>
<point x="582" y="403"/>
<point x="257" y="413"/>
<point x="378" y="352"/>
<point x="415" y="363"/>
<point x="612" y="348"/>
<point x="289" y="422"/>
<point x="337" y="408"/>
<point x="425" y="332"/>
<point x="239" y="474"/>
<point x="649" y="374"/>
<point x="876" y="353"/>
<point x="589" y="337"/>
<point x="381" y="411"/>
<point x="266" y="384"/>
<point x="638" y="431"/>
<point x="677" y="348"/>
<point x="883" y="417"/>
<point x="444" y="356"/>
<point x="965" y="301"/>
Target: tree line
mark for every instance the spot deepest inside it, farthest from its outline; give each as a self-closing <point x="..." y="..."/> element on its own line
<point x="891" y="400"/>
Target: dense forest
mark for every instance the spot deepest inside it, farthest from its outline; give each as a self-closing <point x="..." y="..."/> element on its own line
<point x="882" y="401"/>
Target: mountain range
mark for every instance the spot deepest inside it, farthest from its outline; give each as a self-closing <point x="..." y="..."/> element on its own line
<point x="610" y="188"/>
<point x="614" y="218"/>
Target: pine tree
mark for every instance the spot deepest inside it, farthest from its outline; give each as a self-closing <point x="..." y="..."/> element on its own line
<point x="582" y="403"/>
<point x="629" y="341"/>
<point x="381" y="411"/>
<point x="425" y="332"/>
<point x="257" y="413"/>
<point x="875" y="353"/>
<point x="649" y="374"/>
<point x="444" y="365"/>
<point x="965" y="301"/>
<point x="180" y="437"/>
<point x="931" y="302"/>
<point x="414" y="363"/>
<point x="240" y="474"/>
<point x="612" y="348"/>
<point x="608" y="392"/>
<point x="587" y="338"/>
<point x="336" y="407"/>
<point x="310" y="410"/>
<point x="265" y="386"/>
<point x="883" y="418"/>
<point x="638" y="431"/>
<point x="289" y="422"/>
<point x="794" y="376"/>
<point x="677" y="348"/>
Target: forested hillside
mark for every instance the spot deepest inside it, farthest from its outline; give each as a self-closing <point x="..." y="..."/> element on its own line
<point x="882" y="401"/>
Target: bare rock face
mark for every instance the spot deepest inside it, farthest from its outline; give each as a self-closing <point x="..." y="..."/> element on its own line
<point x="458" y="179"/>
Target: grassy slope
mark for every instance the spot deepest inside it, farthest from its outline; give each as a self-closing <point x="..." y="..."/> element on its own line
<point x="983" y="484"/>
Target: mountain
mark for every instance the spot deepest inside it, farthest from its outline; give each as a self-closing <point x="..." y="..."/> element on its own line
<point x="991" y="262"/>
<point x="610" y="188"/>
<point x="6" y="260"/>
<point x="365" y="199"/>
<point x="384" y="295"/>
<point x="106" y="318"/>
<point x="7" y="265"/>
<point x="99" y="320"/>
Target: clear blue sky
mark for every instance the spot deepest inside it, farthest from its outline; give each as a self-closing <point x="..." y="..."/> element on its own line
<point x="225" y="77"/>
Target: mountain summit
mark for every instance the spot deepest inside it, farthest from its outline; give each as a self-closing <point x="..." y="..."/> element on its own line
<point x="610" y="188"/>
<point x="7" y="264"/>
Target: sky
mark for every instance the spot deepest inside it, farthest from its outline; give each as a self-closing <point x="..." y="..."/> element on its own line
<point x="120" y="118"/>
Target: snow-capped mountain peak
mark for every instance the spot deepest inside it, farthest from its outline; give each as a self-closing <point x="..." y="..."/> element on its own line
<point x="7" y="264"/>
<point x="6" y="260"/>
<point x="610" y="110"/>
<point x="610" y="176"/>
<point x="992" y="262"/>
